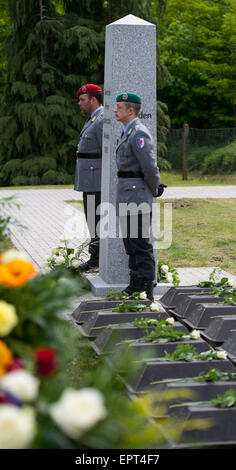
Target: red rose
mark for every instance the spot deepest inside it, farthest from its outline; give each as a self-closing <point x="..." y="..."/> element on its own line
<point x="46" y="361"/>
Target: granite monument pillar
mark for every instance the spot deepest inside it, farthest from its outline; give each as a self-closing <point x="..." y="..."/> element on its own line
<point x="130" y="66"/>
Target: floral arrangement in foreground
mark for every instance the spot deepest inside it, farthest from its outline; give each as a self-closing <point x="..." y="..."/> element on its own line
<point x="44" y="410"/>
<point x="46" y="414"/>
<point x="167" y="273"/>
<point x="40" y="408"/>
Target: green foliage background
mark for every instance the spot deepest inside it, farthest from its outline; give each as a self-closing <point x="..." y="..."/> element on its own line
<point x="51" y="47"/>
<point x="198" y="46"/>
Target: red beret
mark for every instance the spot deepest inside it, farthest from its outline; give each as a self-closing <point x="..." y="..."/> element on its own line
<point x="89" y="88"/>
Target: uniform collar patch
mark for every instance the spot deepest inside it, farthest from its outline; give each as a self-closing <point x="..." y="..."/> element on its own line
<point x="129" y="131"/>
<point x="94" y="118"/>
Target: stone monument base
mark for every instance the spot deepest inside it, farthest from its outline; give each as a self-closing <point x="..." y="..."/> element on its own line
<point x="100" y="288"/>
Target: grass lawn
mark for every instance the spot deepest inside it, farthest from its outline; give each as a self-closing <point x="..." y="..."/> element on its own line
<point x="170" y="178"/>
<point x="203" y="234"/>
<point x="175" y="179"/>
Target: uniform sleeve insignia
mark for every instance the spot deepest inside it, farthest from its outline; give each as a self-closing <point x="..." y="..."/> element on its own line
<point x="140" y="142"/>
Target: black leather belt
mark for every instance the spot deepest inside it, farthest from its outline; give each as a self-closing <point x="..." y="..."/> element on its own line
<point x="130" y="174"/>
<point x="88" y="155"/>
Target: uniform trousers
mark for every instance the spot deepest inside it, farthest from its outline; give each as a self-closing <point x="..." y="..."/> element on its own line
<point x="91" y="202"/>
<point x="135" y="230"/>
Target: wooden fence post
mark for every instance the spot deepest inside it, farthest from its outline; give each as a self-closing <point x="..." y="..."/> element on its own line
<point x="185" y="152"/>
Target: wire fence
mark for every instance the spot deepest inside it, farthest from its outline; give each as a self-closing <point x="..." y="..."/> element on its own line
<point x="202" y="150"/>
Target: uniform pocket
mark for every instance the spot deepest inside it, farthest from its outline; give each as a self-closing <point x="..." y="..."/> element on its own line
<point x="88" y="174"/>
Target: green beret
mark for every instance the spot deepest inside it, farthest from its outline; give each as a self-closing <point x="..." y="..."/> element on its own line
<point x="129" y="98"/>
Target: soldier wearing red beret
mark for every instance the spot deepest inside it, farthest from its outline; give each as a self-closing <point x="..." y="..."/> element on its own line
<point x="88" y="164"/>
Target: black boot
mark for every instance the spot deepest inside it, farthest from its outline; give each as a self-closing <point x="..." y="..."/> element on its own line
<point x="147" y="285"/>
<point x="149" y="290"/>
<point x="134" y="284"/>
<point x="90" y="264"/>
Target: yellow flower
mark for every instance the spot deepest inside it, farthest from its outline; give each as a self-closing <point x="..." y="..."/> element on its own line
<point x="8" y="318"/>
<point x="16" y="272"/>
<point x="5" y="356"/>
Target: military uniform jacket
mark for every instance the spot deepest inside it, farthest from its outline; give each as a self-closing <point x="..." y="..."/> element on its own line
<point x="135" y="153"/>
<point x="88" y="170"/>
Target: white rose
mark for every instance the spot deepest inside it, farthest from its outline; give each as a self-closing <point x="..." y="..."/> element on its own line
<point x="170" y="321"/>
<point x="78" y="410"/>
<point x="17" y="427"/>
<point x="221" y="354"/>
<point x="64" y="239"/>
<point x="194" y="334"/>
<point x="49" y="258"/>
<point x="152" y="321"/>
<point x="46" y="270"/>
<point x="10" y="255"/>
<point x="232" y="283"/>
<point x="21" y="383"/>
<point x="154" y="307"/>
<point x="143" y="295"/>
<point x="164" y="268"/>
<point x="75" y="263"/>
<point x="54" y="251"/>
<point x="169" y="277"/>
<point x="60" y="260"/>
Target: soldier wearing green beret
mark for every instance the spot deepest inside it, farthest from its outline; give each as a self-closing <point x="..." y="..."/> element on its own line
<point x="138" y="183"/>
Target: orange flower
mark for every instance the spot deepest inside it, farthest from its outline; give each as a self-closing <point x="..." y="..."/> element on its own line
<point x="5" y="357"/>
<point x="16" y="272"/>
<point x="0" y="258"/>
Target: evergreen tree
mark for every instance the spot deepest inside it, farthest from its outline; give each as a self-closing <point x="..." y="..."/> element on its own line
<point x="39" y="122"/>
<point x="4" y="31"/>
<point x="54" y="47"/>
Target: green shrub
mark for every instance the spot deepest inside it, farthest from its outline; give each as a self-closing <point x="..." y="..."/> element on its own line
<point x="34" y="180"/>
<point x="46" y="163"/>
<point x="174" y="154"/>
<point x="19" y="180"/>
<point x="163" y="164"/>
<point x="222" y="160"/>
<point x="64" y="178"/>
<point x="197" y="157"/>
<point x="50" y="177"/>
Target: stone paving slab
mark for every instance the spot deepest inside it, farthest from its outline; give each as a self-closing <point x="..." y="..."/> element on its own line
<point x="44" y="213"/>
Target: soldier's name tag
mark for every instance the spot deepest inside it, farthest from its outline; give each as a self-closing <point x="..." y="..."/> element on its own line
<point x="140" y="142"/>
